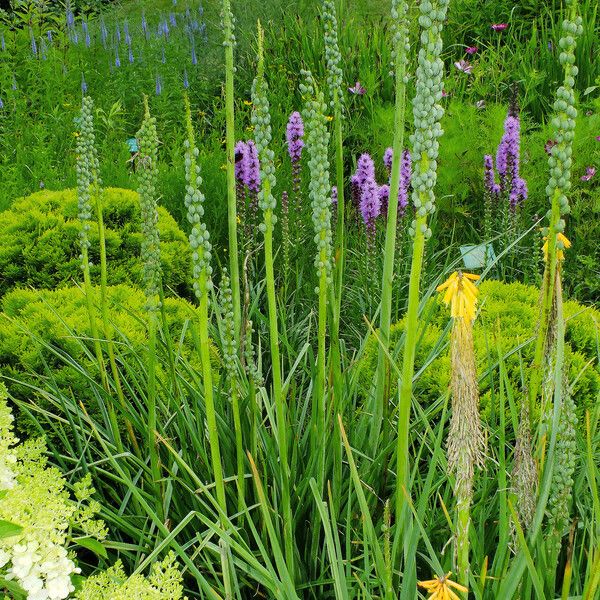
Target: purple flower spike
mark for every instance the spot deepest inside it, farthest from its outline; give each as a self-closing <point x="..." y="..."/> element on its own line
<point x="508" y="150"/>
<point x="194" y="57"/>
<point x="241" y="163"/>
<point x="172" y="19"/>
<point x="471" y="50"/>
<point x="13" y="86"/>
<point x="334" y="196"/>
<point x="384" y="198"/>
<point x="405" y="178"/>
<point x="118" y="33"/>
<point x="33" y="43"/>
<point x="84" y="86"/>
<point x="158" y="85"/>
<point x="117" y="59"/>
<point x="1" y="103"/>
<point x="464" y="65"/>
<point x="499" y="26"/>
<point x="163" y="56"/>
<point x="294" y="134"/>
<point x="518" y="193"/>
<point x="491" y="186"/>
<point x="253" y="167"/>
<point x="86" y="33"/>
<point x="186" y="82"/>
<point x="131" y="57"/>
<point x="370" y="205"/>
<point x="49" y="35"/>
<point x="387" y="159"/>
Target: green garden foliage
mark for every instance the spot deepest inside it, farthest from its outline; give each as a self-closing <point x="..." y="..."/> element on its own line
<point x="504" y="327"/>
<point x="47" y="334"/>
<point x="40" y="243"/>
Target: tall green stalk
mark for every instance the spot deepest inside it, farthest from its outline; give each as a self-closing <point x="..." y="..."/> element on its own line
<point x="261" y="120"/>
<point x="427" y="114"/>
<point x="558" y="187"/>
<point x="401" y="47"/>
<point x="201" y="255"/>
<point x="147" y="177"/>
<point x="229" y="43"/>
<point x="317" y="144"/>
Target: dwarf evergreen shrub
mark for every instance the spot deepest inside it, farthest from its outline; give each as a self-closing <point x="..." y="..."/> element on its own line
<point x="40" y="244"/>
<point x="507" y="320"/>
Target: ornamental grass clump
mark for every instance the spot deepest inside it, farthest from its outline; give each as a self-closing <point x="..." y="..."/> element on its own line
<point x="466" y="442"/>
<point x="427" y="113"/>
<point x="202" y="272"/>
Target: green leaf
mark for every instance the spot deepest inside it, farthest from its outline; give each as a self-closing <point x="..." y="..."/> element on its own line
<point x="590" y="90"/>
<point x="94" y="545"/>
<point x="8" y="529"/>
<point x="16" y="591"/>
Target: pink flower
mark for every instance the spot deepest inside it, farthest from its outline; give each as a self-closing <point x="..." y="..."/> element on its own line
<point x="598" y="138"/>
<point x="548" y="146"/>
<point x="499" y="26"/>
<point x="472" y="50"/>
<point x="357" y="89"/>
<point x="445" y="94"/>
<point x="589" y="173"/>
<point x="464" y="65"/>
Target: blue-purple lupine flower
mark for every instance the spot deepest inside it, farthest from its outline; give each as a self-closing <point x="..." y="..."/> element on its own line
<point x="194" y="57"/>
<point x="84" y="87"/>
<point x="131" y="57"/>
<point x="163" y="56"/>
<point x="103" y="33"/>
<point x="370" y="206"/>
<point x="117" y="59"/>
<point x="172" y="19"/>
<point x="186" y="81"/>
<point x="34" y="49"/>
<point x="118" y="33"/>
<point x="70" y="18"/>
<point x="1" y="103"/>
<point x="43" y="49"/>
<point x="14" y="83"/>
<point x="158" y="85"/>
<point x="86" y="33"/>
<point x="145" y="25"/>
<point x="126" y="29"/>
<point x="49" y="35"/>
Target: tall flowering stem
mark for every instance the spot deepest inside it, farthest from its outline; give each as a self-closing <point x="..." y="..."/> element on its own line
<point x="229" y="44"/>
<point x="147" y="177"/>
<point x="320" y="196"/>
<point x="466" y="442"/>
<point x="333" y="59"/>
<point x="202" y="281"/>
<point x="261" y="119"/>
<point x="427" y="114"/>
<point x="401" y="49"/>
<point x="559" y="184"/>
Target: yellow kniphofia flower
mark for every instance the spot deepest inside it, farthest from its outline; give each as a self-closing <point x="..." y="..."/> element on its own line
<point x="560" y="254"/>
<point x="439" y="588"/>
<point x="460" y="294"/>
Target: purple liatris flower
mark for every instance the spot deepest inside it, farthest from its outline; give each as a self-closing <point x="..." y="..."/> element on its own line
<point x="508" y="150"/>
<point x="370" y="205"/>
<point x="405" y="178"/>
<point x="518" y="192"/>
<point x="294" y="135"/>
<point x="334" y="196"/>
<point x="384" y="198"/>
<point x="387" y="159"/>
<point x="241" y="162"/>
<point x="491" y="186"/>
<point x="253" y="167"/>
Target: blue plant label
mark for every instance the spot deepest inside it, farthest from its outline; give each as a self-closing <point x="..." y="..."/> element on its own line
<point x="477" y="256"/>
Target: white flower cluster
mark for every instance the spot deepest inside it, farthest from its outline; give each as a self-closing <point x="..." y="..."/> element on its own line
<point x="400" y="39"/>
<point x="194" y="201"/>
<point x="87" y="169"/>
<point x="427" y="111"/>
<point x="261" y="120"/>
<point x="42" y="570"/>
<point x="563" y="124"/>
<point x="317" y="143"/>
<point x="147" y="176"/>
<point x="333" y="56"/>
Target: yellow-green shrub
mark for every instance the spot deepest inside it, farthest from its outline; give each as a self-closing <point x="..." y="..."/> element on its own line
<point x="40" y="243"/>
<point x="507" y="319"/>
<point x="36" y="325"/>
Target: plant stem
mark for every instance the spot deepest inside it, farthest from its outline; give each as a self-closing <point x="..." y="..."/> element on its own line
<point x="408" y="364"/>
<point x="230" y="149"/>
<point x="211" y="416"/>
<point x="382" y="378"/>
